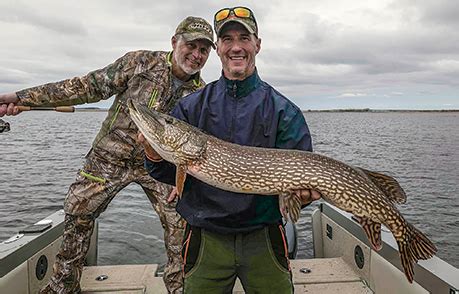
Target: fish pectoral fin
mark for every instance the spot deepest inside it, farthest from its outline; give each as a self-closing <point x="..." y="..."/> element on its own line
<point x="282" y="208"/>
<point x="387" y="184"/>
<point x="180" y="177"/>
<point x="372" y="230"/>
<point x="290" y="206"/>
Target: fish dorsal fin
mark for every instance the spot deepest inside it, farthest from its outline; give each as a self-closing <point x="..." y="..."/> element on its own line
<point x="180" y="177"/>
<point x="387" y="184"/>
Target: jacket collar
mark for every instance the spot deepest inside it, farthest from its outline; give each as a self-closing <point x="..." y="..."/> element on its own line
<point x="196" y="78"/>
<point x="242" y="88"/>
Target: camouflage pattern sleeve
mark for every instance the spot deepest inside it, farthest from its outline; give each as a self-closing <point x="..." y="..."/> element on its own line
<point x="96" y="85"/>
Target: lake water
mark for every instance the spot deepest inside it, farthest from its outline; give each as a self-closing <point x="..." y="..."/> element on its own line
<point x="42" y="153"/>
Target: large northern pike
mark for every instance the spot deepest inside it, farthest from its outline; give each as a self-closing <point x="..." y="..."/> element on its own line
<point x="369" y="196"/>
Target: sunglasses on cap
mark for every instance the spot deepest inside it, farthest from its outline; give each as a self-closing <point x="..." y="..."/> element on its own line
<point x="240" y="11"/>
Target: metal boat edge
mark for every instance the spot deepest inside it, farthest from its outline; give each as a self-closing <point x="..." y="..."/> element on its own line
<point x="434" y="275"/>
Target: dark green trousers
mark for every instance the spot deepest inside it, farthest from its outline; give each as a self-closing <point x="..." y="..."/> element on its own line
<point x="259" y="259"/>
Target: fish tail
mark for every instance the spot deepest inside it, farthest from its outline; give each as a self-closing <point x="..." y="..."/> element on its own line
<point x="413" y="247"/>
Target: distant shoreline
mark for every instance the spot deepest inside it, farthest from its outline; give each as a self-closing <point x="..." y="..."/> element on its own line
<point x="381" y="110"/>
<point x="90" y="109"/>
<point x="96" y="109"/>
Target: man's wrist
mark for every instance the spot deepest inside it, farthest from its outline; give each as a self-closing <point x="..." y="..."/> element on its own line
<point x="153" y="159"/>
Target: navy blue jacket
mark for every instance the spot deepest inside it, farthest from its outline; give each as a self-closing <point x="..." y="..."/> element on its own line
<point x="248" y="112"/>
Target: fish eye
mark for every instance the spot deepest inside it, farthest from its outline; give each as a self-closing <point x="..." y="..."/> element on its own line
<point x="169" y="120"/>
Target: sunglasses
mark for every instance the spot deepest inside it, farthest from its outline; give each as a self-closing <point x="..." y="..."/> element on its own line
<point x="241" y="12"/>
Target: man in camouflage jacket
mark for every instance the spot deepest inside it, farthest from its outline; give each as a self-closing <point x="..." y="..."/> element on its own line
<point x="157" y="79"/>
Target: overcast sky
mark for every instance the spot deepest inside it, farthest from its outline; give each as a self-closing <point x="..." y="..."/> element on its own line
<point x="327" y="54"/>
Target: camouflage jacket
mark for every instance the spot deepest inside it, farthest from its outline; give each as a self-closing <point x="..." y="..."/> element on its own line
<point x="144" y="76"/>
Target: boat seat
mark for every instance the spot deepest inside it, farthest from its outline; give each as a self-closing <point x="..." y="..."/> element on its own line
<point x="322" y="275"/>
<point x="129" y="279"/>
<point x="326" y="275"/>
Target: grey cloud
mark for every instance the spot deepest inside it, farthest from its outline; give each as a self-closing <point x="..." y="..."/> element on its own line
<point x="34" y="14"/>
<point x="349" y="56"/>
<point x="435" y="13"/>
<point x="301" y="56"/>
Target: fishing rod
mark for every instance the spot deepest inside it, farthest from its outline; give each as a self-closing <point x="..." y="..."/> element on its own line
<point x="5" y="126"/>
<point x="57" y="108"/>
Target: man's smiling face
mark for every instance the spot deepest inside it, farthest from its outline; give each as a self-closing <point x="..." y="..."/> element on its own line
<point x="237" y="49"/>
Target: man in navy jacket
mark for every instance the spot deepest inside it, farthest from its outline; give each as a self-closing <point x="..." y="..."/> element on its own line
<point x="231" y="235"/>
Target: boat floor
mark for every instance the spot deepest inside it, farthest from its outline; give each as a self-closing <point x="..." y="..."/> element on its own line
<point x="325" y="275"/>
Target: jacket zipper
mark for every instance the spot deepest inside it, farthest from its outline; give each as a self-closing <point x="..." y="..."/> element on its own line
<point x="233" y="119"/>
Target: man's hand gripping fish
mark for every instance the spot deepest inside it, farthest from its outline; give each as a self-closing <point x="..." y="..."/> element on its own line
<point x="369" y="196"/>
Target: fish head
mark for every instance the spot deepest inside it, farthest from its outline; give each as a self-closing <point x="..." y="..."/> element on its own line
<point x="173" y="139"/>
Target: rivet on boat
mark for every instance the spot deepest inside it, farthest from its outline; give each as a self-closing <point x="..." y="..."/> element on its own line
<point x="305" y="270"/>
<point x="102" y="278"/>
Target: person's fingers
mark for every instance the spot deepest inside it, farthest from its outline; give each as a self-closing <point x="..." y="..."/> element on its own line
<point x="149" y="151"/>
<point x="315" y="195"/>
<point x="12" y="109"/>
<point x="140" y="138"/>
<point x="15" y="110"/>
<point x="9" y="109"/>
<point x="3" y="108"/>
<point x="307" y="195"/>
<point x="302" y="193"/>
<point x="172" y="195"/>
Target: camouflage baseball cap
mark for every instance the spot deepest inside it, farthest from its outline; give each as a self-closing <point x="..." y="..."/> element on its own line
<point x="194" y="28"/>
<point x="240" y="14"/>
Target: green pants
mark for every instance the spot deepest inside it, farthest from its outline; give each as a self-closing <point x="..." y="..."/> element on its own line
<point x="259" y="259"/>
